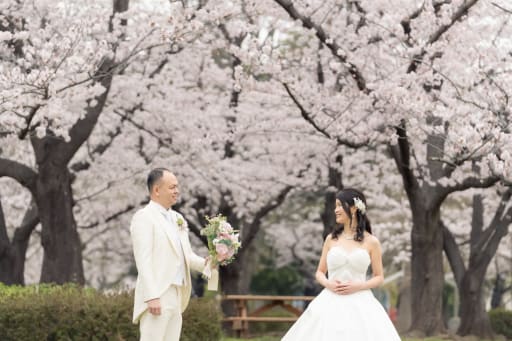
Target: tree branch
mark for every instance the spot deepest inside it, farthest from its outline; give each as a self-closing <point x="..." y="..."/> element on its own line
<point x="456" y="16"/>
<point x="406" y="23"/>
<point x="307" y="116"/>
<point x="402" y="155"/>
<point x="486" y="246"/>
<point x="509" y="11"/>
<point x="354" y="71"/>
<point x="471" y="182"/>
<point x="82" y="129"/>
<point x="252" y="229"/>
<point x="453" y="254"/>
<point x="112" y="216"/>
<point x="24" y="175"/>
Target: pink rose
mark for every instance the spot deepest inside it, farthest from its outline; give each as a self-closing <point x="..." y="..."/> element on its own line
<point x="222" y="252"/>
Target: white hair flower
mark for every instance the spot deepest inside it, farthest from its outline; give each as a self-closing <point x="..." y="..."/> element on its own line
<point x="360" y="205"/>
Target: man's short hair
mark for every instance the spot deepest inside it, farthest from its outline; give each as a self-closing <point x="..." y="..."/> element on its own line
<point x="154" y="176"/>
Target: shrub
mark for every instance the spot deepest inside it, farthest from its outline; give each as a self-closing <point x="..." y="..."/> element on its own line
<point x="277" y="281"/>
<point x="501" y="321"/>
<point x="51" y="312"/>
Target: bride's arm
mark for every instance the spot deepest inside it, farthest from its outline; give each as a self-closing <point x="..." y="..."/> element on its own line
<point x="377" y="271"/>
<point x="322" y="267"/>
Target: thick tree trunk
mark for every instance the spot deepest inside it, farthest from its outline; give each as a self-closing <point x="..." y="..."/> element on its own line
<point x="234" y="280"/>
<point x="13" y="253"/>
<point x="473" y="316"/>
<point x="62" y="260"/>
<point x="232" y="277"/>
<point x="427" y="275"/>
<point x="6" y="253"/>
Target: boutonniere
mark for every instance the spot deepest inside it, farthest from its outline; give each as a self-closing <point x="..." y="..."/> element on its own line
<point x="182" y="224"/>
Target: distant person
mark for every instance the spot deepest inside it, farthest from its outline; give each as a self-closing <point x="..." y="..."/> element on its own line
<point x="346" y="309"/>
<point x="163" y="255"/>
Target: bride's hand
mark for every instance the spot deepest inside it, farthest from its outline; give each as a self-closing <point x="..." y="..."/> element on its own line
<point x="349" y="287"/>
<point x="333" y="285"/>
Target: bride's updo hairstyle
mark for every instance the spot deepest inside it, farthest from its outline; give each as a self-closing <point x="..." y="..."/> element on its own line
<point x="351" y="197"/>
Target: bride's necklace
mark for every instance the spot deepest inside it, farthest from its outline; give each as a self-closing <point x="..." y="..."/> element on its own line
<point x="347" y="238"/>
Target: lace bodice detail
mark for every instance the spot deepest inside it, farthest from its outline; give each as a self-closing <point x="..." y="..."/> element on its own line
<point x="347" y="265"/>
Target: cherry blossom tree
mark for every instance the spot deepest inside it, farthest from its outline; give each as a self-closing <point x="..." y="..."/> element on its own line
<point x="61" y="60"/>
<point x="407" y="67"/>
<point x="490" y="221"/>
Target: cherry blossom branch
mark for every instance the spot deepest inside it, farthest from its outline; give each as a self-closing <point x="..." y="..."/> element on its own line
<point x="471" y="182"/>
<point x="499" y="223"/>
<point x="162" y="141"/>
<point x="111" y="217"/>
<point x="434" y="37"/>
<point x="307" y="116"/>
<point x="509" y="11"/>
<point x="23" y="133"/>
<point x="252" y="229"/>
<point x="406" y="23"/>
<point x="402" y="155"/>
<point x="108" y="186"/>
<point x="308" y="23"/>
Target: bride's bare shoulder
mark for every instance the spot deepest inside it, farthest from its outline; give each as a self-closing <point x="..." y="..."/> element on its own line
<point x="372" y="241"/>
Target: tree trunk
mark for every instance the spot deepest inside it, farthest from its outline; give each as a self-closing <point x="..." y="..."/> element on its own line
<point x="6" y="252"/>
<point x="13" y="253"/>
<point x="427" y="275"/>
<point x="234" y="281"/>
<point x="498" y="291"/>
<point x="62" y="261"/>
<point x="473" y="316"/>
<point x="483" y="246"/>
<point x="335" y="184"/>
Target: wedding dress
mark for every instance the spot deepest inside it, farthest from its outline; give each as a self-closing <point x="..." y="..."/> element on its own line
<point x="355" y="317"/>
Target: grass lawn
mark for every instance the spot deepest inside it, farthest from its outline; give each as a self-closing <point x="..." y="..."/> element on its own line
<point x="271" y="338"/>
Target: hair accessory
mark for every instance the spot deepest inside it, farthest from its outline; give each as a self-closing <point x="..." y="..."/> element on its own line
<point x="360" y="205"/>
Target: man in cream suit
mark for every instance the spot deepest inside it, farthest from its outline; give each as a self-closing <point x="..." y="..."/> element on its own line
<point x="164" y="258"/>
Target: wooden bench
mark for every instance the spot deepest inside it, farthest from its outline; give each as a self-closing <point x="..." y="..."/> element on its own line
<point x="240" y="322"/>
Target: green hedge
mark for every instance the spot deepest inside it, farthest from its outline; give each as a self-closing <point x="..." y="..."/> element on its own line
<point x="501" y="321"/>
<point x="68" y="312"/>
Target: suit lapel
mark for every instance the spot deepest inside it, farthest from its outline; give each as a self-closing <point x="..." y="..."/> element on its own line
<point x="182" y="235"/>
<point x="164" y="224"/>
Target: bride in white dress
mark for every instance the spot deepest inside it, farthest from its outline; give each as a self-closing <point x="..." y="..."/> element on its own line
<point x="346" y="309"/>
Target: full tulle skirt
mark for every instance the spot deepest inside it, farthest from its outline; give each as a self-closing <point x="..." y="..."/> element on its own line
<point x="333" y="317"/>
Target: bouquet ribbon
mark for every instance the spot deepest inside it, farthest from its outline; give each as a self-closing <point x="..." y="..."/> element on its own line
<point x="212" y="274"/>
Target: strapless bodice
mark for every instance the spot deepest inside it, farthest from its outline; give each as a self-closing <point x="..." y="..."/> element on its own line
<point x="347" y="265"/>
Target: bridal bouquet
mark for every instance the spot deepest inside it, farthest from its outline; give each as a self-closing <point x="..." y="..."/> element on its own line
<point x="223" y="241"/>
<point x="223" y="244"/>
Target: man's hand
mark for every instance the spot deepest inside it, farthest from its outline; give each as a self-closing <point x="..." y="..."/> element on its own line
<point x="154" y="306"/>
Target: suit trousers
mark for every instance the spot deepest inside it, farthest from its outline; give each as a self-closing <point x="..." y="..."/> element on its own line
<point x="167" y="325"/>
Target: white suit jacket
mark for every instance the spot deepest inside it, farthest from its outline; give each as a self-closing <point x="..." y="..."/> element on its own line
<point x="157" y="259"/>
